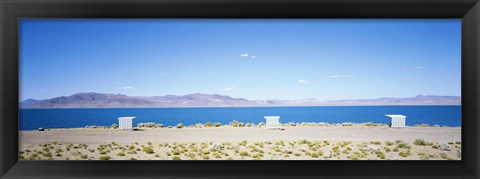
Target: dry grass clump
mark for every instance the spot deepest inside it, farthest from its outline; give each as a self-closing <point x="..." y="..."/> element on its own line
<point x="420" y="142"/>
<point x="244" y="153"/>
<point x="404" y="153"/>
<point x="105" y="157"/>
<point x="180" y="125"/>
<point x="423" y="156"/>
<point x="148" y="150"/>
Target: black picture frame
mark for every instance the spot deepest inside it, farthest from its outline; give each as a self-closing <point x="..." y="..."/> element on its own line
<point x="12" y="10"/>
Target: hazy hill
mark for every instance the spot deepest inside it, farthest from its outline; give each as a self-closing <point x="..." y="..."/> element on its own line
<point x="102" y="100"/>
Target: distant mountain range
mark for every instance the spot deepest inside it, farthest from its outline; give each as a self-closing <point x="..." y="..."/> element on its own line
<point x="102" y="100"/>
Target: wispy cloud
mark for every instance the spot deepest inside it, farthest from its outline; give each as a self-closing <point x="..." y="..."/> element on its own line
<point x="341" y="76"/>
<point x="230" y="88"/>
<point x="126" y="87"/>
<point x="418" y="67"/>
<point x="302" y="81"/>
<point x="42" y="91"/>
<point x="246" y="55"/>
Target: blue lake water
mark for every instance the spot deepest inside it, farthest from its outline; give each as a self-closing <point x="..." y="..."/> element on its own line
<point x="31" y="119"/>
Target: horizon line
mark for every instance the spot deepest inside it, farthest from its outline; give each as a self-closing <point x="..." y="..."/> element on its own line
<point x="242" y="97"/>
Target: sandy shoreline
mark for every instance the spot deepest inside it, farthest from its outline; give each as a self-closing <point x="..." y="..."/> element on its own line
<point x="234" y="134"/>
<point x="244" y="143"/>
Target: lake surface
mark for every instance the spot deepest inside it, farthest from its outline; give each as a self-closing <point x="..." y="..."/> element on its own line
<point x="31" y="119"/>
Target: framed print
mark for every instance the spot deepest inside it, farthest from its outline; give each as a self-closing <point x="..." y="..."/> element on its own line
<point x="204" y="89"/>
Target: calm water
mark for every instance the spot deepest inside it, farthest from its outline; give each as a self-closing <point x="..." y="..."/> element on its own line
<point x="65" y="118"/>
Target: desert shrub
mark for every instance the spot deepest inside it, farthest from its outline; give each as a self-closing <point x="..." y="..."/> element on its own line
<point x="114" y="126"/>
<point x="260" y="144"/>
<point x="314" y="155"/>
<point x="353" y="157"/>
<point x="205" y="157"/>
<point x="102" y="152"/>
<point x="404" y="153"/>
<point x="180" y="125"/>
<point x="244" y="153"/>
<point x="176" y="152"/>
<point x="198" y="125"/>
<point x="47" y="154"/>
<point x="376" y="142"/>
<point x="121" y="154"/>
<point x="217" y="124"/>
<point x="395" y="149"/>
<point x="304" y="141"/>
<point x="420" y="142"/>
<point x="132" y="152"/>
<point x="423" y="156"/>
<point x="380" y="155"/>
<point x="208" y="124"/>
<point x="176" y="158"/>
<point x="146" y="125"/>
<point x="33" y="156"/>
<point x="458" y="142"/>
<point x="235" y="123"/>
<point x="388" y="143"/>
<point x="191" y="156"/>
<point x="443" y="155"/>
<point x="387" y="149"/>
<point x="403" y="145"/>
<point x="244" y="143"/>
<point x="148" y="150"/>
<point x="105" y="157"/>
<point x="217" y="155"/>
<point x="158" y="125"/>
<point x="84" y="156"/>
<point x="133" y="158"/>
<point x="229" y="158"/>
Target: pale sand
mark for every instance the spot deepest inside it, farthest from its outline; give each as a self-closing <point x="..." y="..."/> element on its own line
<point x="359" y="138"/>
<point x="234" y="134"/>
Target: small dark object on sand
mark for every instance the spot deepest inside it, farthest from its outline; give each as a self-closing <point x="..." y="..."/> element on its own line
<point x="41" y="129"/>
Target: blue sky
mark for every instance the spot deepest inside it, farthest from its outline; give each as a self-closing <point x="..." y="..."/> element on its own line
<point x="253" y="59"/>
